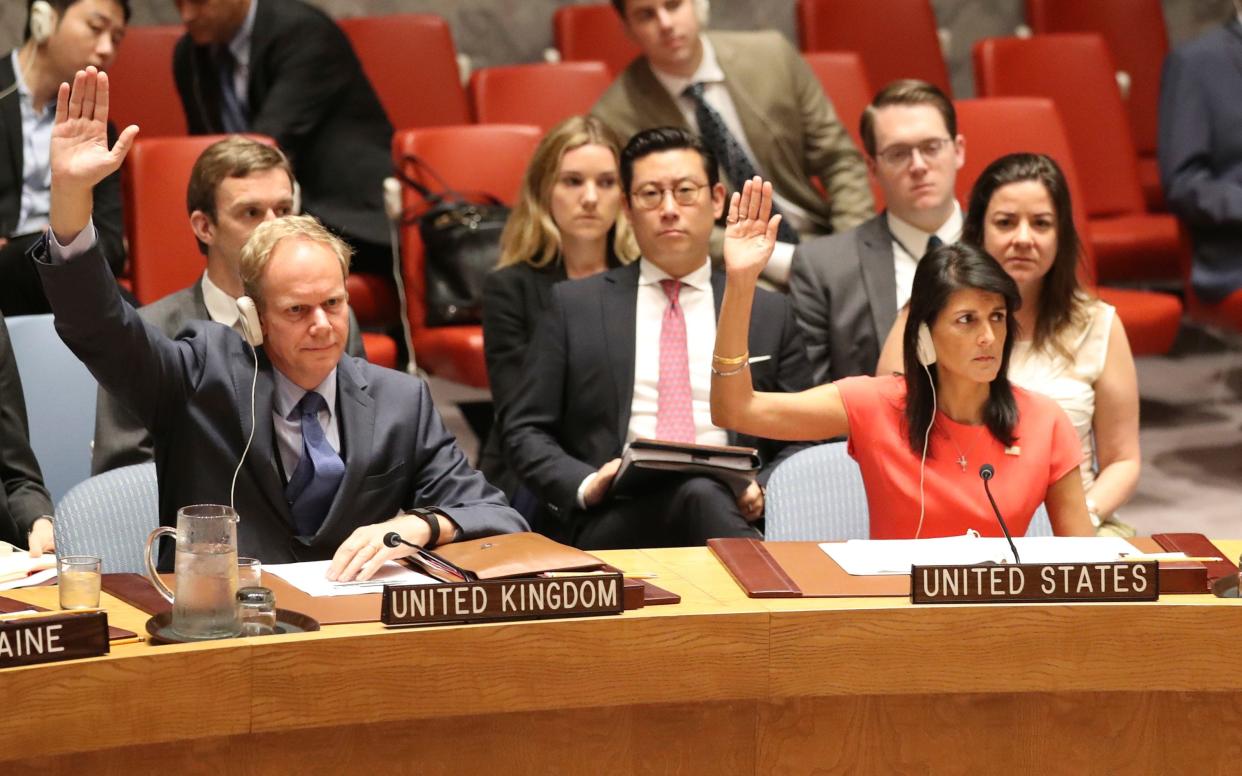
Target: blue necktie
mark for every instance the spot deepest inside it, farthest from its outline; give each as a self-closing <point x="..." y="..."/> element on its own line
<point x="933" y="243"/>
<point x="318" y="475"/>
<point x="232" y="117"/>
<point x="730" y="154"/>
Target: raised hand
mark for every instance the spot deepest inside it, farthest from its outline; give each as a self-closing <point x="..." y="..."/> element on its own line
<point x="80" y="156"/>
<point x="750" y="231"/>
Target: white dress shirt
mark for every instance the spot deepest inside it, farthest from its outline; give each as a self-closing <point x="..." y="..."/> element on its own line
<point x="221" y="306"/>
<point x="289" y="431"/>
<point x="699" y="308"/>
<point x="36" y="170"/>
<point x="910" y="243"/>
<point x="717" y="96"/>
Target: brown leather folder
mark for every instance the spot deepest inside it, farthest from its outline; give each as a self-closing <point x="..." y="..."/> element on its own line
<point x="803" y="570"/>
<point x="1197" y="545"/>
<point x="13" y="605"/>
<point x="137" y="591"/>
<point x="516" y="555"/>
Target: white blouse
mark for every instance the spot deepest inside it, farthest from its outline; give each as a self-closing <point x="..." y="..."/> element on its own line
<point x="1070" y="383"/>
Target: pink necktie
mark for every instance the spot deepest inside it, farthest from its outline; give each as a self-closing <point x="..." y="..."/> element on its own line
<point x="675" y="410"/>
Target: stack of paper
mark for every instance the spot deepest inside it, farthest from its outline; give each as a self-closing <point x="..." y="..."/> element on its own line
<point x="874" y="557"/>
<point x="309" y="577"/>
<point x="18" y="569"/>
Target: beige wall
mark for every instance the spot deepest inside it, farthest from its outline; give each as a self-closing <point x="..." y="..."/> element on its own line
<point x="508" y="31"/>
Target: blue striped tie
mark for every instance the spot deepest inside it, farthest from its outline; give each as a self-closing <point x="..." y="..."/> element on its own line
<point x="318" y="475"/>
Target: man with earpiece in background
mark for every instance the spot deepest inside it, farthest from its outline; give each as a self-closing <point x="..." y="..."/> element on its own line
<point x="61" y="37"/>
<point x="235" y="185"/>
<point x="758" y="107"/>
<point x="340" y="452"/>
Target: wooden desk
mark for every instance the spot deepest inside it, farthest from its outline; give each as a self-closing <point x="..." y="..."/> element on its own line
<point x="720" y="684"/>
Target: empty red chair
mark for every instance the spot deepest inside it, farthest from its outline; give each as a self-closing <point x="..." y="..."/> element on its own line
<point x="412" y="64"/>
<point x="1076" y="72"/>
<point x="844" y="80"/>
<point x="456" y="352"/>
<point x="994" y="127"/>
<point x="593" y="33"/>
<point x="1139" y="40"/>
<point x="143" y="89"/>
<point x="895" y="38"/>
<point x="541" y="94"/>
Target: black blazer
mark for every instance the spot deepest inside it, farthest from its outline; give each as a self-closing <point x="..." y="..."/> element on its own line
<point x="23" y="498"/>
<point x="107" y="207"/>
<point x="194" y="393"/>
<point x="844" y="293"/>
<point x="571" y="411"/>
<point x="307" y="90"/>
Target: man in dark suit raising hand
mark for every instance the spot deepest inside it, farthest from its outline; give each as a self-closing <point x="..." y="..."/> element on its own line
<point x="341" y="449"/>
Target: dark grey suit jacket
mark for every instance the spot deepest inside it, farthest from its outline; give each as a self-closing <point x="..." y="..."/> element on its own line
<point x="120" y="438"/>
<point x="844" y="291"/>
<point x="307" y="90"/>
<point x="571" y="412"/>
<point x="1200" y="153"/>
<point x="23" y="498"/>
<point x="107" y="207"/>
<point x="194" y="393"/>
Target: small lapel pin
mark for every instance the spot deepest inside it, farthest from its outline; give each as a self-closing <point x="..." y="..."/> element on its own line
<point x="1015" y="450"/>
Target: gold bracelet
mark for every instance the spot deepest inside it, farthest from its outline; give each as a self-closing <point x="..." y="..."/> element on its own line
<point x="742" y="359"/>
<point x="731" y="372"/>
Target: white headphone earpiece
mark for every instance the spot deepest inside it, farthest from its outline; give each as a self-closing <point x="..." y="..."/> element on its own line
<point x="42" y="21"/>
<point x="703" y="11"/>
<point x="926" y="351"/>
<point x="251" y="327"/>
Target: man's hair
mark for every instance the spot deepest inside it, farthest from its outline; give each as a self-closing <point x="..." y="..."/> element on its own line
<point x="233" y="157"/>
<point x="258" y="250"/>
<point x="60" y="6"/>
<point x="620" y="6"/>
<point x="906" y="92"/>
<point x="653" y="141"/>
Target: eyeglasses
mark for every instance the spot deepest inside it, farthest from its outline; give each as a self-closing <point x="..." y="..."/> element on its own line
<point x="900" y="155"/>
<point x="650" y="196"/>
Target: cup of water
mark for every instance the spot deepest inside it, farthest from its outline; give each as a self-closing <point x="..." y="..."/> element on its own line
<point x="78" y="577"/>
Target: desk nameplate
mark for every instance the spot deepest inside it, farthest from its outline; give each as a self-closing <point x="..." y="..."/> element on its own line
<point x="60" y="636"/>
<point x="503" y="599"/>
<point x="1035" y="583"/>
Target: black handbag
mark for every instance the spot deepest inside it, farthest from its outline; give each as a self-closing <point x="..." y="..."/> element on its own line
<point x="461" y="244"/>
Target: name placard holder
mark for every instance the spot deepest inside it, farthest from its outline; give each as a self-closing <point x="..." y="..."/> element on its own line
<point x="1035" y="583"/>
<point x="59" y="636"/>
<point x="503" y="599"/>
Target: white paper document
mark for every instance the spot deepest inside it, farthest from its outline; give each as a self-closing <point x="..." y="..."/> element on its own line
<point x="874" y="557"/>
<point x="309" y="578"/>
<point x="18" y="569"/>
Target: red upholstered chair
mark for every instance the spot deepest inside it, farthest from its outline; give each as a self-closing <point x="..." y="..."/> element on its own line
<point x="997" y="126"/>
<point x="143" y="89"/>
<point x="456" y="352"/>
<point x="1139" y="40"/>
<point x="844" y="80"/>
<point x="163" y="254"/>
<point x="895" y="38"/>
<point x="1076" y="71"/>
<point x="593" y="33"/>
<point x="541" y="94"/>
<point x="412" y="63"/>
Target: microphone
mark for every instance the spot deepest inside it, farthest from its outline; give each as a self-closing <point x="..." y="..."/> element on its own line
<point x="986" y="472"/>
<point x="393" y="539"/>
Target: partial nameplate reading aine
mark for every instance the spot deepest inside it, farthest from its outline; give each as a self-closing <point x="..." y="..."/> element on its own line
<point x="502" y="599"/>
<point x="60" y="636"/>
<point x="1034" y="583"/>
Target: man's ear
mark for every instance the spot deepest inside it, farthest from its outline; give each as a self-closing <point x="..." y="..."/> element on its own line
<point x="719" y="198"/>
<point x="959" y="150"/>
<point x="203" y="227"/>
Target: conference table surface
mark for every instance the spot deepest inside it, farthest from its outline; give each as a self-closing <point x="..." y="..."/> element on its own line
<point x="720" y="683"/>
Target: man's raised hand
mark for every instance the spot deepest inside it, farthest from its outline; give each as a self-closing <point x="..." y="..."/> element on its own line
<point x="80" y="155"/>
